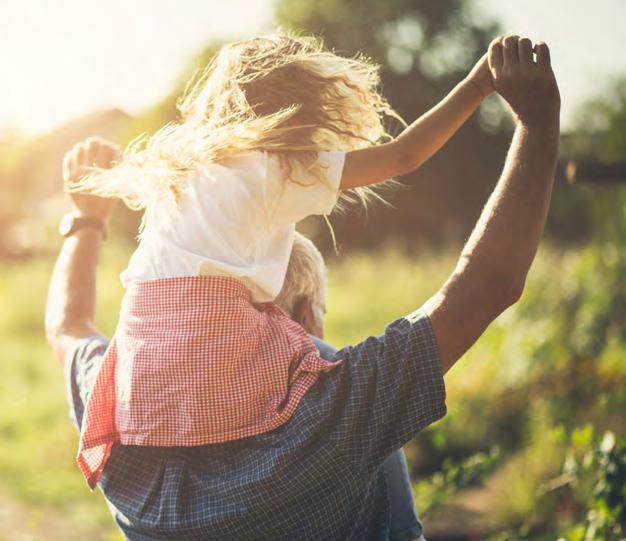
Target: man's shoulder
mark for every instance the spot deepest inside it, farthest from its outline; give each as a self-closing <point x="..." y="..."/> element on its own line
<point x="325" y="350"/>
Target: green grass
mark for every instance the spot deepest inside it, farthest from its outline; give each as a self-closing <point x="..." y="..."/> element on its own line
<point x="519" y="390"/>
<point x="38" y="441"/>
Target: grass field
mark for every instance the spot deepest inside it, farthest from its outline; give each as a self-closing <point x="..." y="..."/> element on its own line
<point x="541" y="387"/>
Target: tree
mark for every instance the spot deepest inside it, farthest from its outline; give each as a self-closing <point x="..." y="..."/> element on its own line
<point x="593" y="206"/>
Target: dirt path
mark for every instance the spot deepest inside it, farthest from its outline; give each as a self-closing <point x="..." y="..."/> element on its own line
<point x="469" y="516"/>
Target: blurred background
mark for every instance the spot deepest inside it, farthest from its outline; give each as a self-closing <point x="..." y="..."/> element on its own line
<point x="533" y="446"/>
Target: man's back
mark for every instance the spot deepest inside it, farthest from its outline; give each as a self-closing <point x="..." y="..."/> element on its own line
<point x="316" y="477"/>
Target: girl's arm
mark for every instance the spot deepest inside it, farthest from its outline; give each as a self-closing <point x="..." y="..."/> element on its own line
<point x="422" y="138"/>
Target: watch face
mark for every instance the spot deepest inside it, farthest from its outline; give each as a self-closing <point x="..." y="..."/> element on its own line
<point x="67" y="222"/>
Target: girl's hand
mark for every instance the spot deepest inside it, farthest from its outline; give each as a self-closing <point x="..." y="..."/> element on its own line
<point x="93" y="152"/>
<point x="480" y="77"/>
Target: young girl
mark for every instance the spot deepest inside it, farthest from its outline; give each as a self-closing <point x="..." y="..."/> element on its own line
<point x="274" y="131"/>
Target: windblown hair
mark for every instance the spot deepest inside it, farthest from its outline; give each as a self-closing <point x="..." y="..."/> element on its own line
<point x="278" y="93"/>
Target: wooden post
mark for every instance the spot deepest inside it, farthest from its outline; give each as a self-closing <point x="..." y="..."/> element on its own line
<point x="590" y="170"/>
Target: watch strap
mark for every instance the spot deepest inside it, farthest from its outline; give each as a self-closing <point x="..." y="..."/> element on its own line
<point x="82" y="222"/>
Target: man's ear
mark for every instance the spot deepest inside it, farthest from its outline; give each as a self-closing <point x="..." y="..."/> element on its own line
<point x="304" y="314"/>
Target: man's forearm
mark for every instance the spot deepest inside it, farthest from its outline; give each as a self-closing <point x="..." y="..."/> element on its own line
<point x="70" y="310"/>
<point x="493" y="265"/>
<point x="505" y="239"/>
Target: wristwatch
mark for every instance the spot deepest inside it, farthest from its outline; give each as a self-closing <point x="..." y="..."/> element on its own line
<point x="70" y="223"/>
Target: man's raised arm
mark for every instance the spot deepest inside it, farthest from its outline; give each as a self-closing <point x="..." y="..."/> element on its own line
<point x="492" y="269"/>
<point x="70" y="310"/>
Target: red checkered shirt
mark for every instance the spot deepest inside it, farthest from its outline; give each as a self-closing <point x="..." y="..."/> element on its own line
<point x="193" y="361"/>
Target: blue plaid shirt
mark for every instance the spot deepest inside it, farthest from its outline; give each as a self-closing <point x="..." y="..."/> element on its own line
<point x="318" y="476"/>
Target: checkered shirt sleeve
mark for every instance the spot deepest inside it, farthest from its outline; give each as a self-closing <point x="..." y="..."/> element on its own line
<point x="392" y="387"/>
<point x="81" y="365"/>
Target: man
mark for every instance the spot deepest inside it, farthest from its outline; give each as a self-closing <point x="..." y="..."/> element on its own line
<point x="303" y="297"/>
<point x="319" y="475"/>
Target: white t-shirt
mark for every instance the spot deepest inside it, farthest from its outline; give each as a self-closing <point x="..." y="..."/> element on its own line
<point x="236" y="219"/>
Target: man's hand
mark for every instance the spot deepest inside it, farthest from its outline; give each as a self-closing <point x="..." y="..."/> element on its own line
<point x="84" y="156"/>
<point x="481" y="77"/>
<point x="70" y="310"/>
<point x="529" y="87"/>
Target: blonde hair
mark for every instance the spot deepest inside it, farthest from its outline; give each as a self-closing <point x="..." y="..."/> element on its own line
<point x="280" y="93"/>
<point x="305" y="276"/>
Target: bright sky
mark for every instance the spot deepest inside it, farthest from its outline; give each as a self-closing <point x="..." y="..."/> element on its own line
<point x="65" y="58"/>
<point x="586" y="39"/>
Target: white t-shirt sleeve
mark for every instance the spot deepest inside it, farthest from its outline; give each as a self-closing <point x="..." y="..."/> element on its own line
<point x="298" y="198"/>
